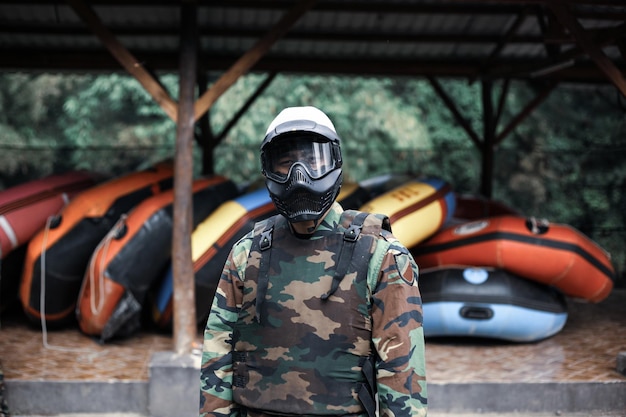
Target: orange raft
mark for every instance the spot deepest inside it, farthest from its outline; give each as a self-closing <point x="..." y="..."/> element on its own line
<point x="25" y="208"/>
<point x="549" y="253"/>
<point x="58" y="254"/>
<point x="133" y="255"/>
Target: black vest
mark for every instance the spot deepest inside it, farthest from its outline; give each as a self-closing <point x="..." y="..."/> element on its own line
<point x="303" y="337"/>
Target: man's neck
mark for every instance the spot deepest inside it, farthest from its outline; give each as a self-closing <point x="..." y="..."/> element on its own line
<point x="308" y="227"/>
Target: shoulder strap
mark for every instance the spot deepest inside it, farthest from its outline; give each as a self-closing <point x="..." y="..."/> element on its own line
<point x="350" y="236"/>
<point x="360" y="223"/>
<point x="374" y="225"/>
<point x="263" y="242"/>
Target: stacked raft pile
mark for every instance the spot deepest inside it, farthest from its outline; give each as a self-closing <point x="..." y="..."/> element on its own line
<point x="100" y="255"/>
<point x="24" y="210"/>
<point x="58" y="254"/>
<point x="498" y="274"/>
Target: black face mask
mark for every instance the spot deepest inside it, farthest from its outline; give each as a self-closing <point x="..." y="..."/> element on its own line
<point x="302" y="198"/>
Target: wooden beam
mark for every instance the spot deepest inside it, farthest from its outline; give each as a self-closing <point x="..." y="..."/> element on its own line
<point x="335" y="35"/>
<point x="262" y="87"/>
<point x="504" y="91"/>
<point x="527" y="110"/>
<point x="125" y="58"/>
<point x="182" y="265"/>
<point x="585" y="72"/>
<point x="251" y="57"/>
<point x="601" y="38"/>
<point x="455" y="112"/>
<point x="586" y="43"/>
<point x="381" y="6"/>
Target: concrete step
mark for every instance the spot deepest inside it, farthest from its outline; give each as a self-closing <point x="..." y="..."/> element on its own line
<point x="172" y="392"/>
<point x="431" y="414"/>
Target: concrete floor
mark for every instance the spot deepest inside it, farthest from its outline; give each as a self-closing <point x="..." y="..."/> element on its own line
<point x="570" y="374"/>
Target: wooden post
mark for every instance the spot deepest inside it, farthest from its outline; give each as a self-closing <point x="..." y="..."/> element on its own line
<point x="488" y="143"/>
<point x="182" y="266"/>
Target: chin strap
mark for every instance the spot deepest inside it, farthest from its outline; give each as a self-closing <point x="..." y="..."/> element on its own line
<point x="311" y="229"/>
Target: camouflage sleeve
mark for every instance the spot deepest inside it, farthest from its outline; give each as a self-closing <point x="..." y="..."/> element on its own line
<point x="398" y="335"/>
<point x="216" y="369"/>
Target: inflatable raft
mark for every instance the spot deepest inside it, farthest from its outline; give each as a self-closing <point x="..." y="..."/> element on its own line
<point x="212" y="240"/>
<point x="57" y="256"/>
<point x="210" y="244"/>
<point x="549" y="253"/>
<point x="380" y="184"/>
<point x="353" y="195"/>
<point x="25" y="208"/>
<point x="417" y="209"/>
<point x="10" y="273"/>
<point x="489" y="303"/>
<point x="133" y="255"/>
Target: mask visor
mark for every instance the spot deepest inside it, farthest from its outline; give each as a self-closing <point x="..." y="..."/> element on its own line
<point x="281" y="155"/>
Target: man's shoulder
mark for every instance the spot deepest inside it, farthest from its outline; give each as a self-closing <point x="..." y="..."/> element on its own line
<point x="370" y="223"/>
<point x="245" y="242"/>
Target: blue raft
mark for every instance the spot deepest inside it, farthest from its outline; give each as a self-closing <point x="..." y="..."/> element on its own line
<point x="489" y="303"/>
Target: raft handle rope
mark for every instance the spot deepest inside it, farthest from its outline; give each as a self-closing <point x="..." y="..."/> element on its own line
<point x="42" y="299"/>
<point x="116" y="232"/>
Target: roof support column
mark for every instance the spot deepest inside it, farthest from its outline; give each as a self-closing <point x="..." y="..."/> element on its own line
<point x="488" y="142"/>
<point x="182" y="266"/>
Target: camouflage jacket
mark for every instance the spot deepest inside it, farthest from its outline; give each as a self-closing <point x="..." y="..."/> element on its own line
<point x="394" y="326"/>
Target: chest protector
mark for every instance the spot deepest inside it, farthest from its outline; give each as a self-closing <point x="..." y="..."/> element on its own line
<point x="303" y="336"/>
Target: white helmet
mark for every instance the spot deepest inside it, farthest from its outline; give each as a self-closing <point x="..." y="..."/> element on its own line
<point x="301" y="161"/>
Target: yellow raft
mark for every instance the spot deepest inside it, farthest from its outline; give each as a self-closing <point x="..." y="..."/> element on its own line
<point x="417" y="209"/>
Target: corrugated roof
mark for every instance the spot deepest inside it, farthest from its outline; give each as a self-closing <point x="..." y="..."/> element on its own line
<point x="501" y="39"/>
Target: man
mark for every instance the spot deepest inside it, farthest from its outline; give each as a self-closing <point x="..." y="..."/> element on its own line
<point x="317" y="311"/>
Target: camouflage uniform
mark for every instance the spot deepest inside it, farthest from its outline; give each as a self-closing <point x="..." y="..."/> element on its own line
<point x="301" y="349"/>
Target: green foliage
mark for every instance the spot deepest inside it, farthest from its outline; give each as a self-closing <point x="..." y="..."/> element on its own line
<point x="565" y="162"/>
<point x="370" y="119"/>
<point x="116" y="112"/>
<point x="53" y="123"/>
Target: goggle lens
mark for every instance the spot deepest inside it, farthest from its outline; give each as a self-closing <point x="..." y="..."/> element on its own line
<point x="315" y="156"/>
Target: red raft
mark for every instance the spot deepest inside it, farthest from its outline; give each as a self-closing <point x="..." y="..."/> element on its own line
<point x="549" y="253"/>
<point x="133" y="255"/>
<point x="57" y="255"/>
<point x="25" y="208"/>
